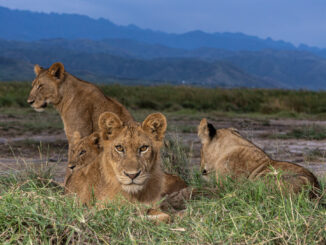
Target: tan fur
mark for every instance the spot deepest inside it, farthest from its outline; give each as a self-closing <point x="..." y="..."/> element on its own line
<point x="129" y="150"/>
<point x="79" y="103"/>
<point x="172" y="183"/>
<point x="82" y="151"/>
<point x="226" y="153"/>
<point x="85" y="150"/>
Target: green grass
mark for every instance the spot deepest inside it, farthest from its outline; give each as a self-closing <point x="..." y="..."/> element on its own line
<point x="167" y="98"/>
<point x="33" y="210"/>
<point x="25" y="120"/>
<point x="175" y="158"/>
<point x="315" y="154"/>
<point x="311" y="132"/>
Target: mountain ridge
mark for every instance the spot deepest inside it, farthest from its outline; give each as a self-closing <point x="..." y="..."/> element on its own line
<point x="73" y="26"/>
<point x="101" y="51"/>
<point x="101" y="67"/>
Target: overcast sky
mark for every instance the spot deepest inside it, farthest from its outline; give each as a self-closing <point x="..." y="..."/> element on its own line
<point x="297" y="21"/>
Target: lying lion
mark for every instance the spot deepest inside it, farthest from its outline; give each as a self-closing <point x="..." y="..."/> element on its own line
<point x="227" y="153"/>
<point x="79" y="103"/>
<point x="85" y="150"/>
<point x="129" y="164"/>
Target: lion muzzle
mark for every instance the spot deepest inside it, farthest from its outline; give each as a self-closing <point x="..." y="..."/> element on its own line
<point x="132" y="176"/>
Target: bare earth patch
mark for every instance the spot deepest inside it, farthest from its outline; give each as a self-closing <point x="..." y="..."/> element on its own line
<point x="37" y="140"/>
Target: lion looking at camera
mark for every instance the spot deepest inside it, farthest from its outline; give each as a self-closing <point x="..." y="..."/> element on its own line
<point x="85" y="150"/>
<point x="129" y="164"/>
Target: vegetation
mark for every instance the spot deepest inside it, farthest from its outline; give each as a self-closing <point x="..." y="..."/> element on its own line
<point x="33" y="210"/>
<point x="280" y="103"/>
<point x="314" y="154"/>
<point x="311" y="132"/>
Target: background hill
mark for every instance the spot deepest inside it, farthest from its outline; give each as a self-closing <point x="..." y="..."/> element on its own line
<point x="100" y="51"/>
<point x="105" y="66"/>
<point x="71" y="26"/>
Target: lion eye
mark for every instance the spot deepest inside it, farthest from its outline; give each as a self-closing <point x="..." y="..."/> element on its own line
<point x="39" y="86"/>
<point x="143" y="149"/>
<point x="82" y="152"/>
<point x="119" y="148"/>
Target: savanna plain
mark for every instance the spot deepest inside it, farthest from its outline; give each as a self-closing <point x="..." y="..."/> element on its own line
<point x="288" y="125"/>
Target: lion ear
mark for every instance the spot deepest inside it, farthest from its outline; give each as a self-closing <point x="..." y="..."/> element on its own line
<point x="76" y="137"/>
<point x="57" y="71"/>
<point x="206" y="131"/>
<point x="95" y="139"/>
<point x="155" y="124"/>
<point x="109" y="123"/>
<point x="37" y="69"/>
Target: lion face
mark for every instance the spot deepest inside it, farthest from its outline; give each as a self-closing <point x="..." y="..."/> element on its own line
<point x="132" y="157"/>
<point x="132" y="150"/>
<point x="207" y="134"/>
<point x="45" y="87"/>
<point x="83" y="150"/>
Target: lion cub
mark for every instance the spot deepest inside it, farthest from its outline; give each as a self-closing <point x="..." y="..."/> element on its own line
<point x="129" y="164"/>
<point x="227" y="153"/>
<point x="84" y="150"/>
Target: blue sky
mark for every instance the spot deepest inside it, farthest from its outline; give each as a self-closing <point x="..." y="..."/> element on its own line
<point x="297" y="21"/>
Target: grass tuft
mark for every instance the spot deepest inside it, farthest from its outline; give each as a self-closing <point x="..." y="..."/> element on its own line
<point x="34" y="210"/>
<point x="175" y="158"/>
<point x="309" y="132"/>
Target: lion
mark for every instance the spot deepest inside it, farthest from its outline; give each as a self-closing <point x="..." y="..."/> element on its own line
<point x="129" y="164"/>
<point x="226" y="153"/>
<point x="79" y="103"/>
<point x="172" y="183"/>
<point x="85" y="150"/>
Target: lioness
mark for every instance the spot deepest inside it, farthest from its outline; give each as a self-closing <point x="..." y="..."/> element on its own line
<point x="85" y="150"/>
<point x="79" y="103"/>
<point x="226" y="153"/>
<point x="128" y="165"/>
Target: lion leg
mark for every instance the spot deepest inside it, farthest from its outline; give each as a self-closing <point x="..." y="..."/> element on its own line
<point x="157" y="215"/>
<point x="177" y="201"/>
<point x="67" y="176"/>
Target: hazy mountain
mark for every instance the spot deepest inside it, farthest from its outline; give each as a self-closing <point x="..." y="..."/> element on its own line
<point x="112" y="58"/>
<point x="297" y="69"/>
<point x="103" y="67"/>
<point x="26" y="25"/>
<point x="119" y="47"/>
<point x="98" y="50"/>
<point x="14" y="69"/>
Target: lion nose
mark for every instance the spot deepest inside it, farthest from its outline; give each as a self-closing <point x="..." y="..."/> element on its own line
<point x="134" y="175"/>
<point x="204" y="172"/>
<point x="30" y="101"/>
<point x="71" y="166"/>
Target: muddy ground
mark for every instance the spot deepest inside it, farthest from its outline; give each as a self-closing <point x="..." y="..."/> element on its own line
<point x="30" y="139"/>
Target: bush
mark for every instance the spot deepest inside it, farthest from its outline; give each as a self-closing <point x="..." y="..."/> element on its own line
<point x="168" y="97"/>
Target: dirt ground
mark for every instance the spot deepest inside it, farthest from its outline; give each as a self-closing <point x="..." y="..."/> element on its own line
<point x="30" y="139"/>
